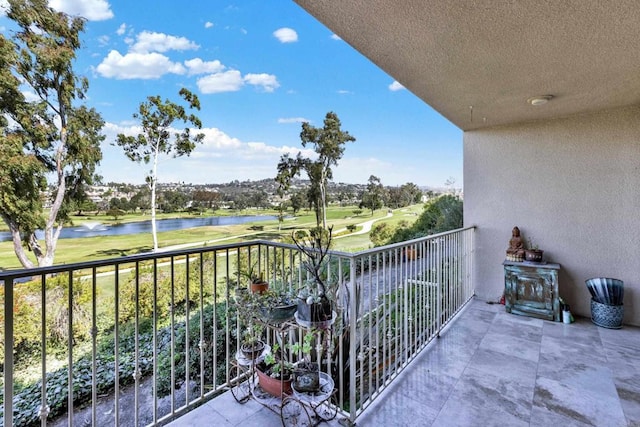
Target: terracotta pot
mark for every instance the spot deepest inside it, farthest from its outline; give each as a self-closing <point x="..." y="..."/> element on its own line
<point x="410" y="254"/>
<point x="259" y="287"/>
<point x="273" y="386"/>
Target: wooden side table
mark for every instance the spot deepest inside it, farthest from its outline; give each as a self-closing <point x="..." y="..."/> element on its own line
<point x="531" y="289"/>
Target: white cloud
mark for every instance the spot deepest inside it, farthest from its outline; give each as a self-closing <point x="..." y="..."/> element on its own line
<point x="395" y="86"/>
<point x="198" y="66"/>
<point x="335" y="37"/>
<point x="293" y="120"/>
<point x="137" y="66"/>
<point x="220" y="158"/>
<point x="286" y="35"/>
<point x="345" y="92"/>
<point x="93" y="10"/>
<point x="121" y="29"/>
<point x="158" y="42"/>
<point x="103" y="40"/>
<point x="227" y="81"/>
<point x="268" y="82"/>
<point x="208" y="24"/>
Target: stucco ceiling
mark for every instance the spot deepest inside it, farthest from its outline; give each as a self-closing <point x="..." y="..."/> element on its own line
<point x="493" y="55"/>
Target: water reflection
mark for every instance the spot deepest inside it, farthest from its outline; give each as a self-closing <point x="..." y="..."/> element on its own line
<point x="96" y="228"/>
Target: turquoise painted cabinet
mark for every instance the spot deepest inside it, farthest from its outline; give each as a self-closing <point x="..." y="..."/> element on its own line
<point x="531" y="289"/>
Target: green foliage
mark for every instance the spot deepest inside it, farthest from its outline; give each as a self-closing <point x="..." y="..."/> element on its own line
<point x="440" y="214"/>
<point x="380" y="233"/>
<point x="212" y="338"/>
<point x="374" y="196"/>
<point x="26" y="403"/>
<point x="275" y="366"/>
<point x="296" y="201"/>
<point x="28" y="306"/>
<point x="351" y="228"/>
<point x="328" y="143"/>
<point x="115" y="213"/>
<point x="157" y="118"/>
<point x="169" y="292"/>
<point x="51" y="138"/>
<point x="405" y="195"/>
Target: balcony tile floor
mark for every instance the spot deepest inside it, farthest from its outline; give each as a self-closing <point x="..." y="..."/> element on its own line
<point x="491" y="368"/>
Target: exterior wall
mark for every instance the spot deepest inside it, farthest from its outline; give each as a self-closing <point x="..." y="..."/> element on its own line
<point x="571" y="184"/>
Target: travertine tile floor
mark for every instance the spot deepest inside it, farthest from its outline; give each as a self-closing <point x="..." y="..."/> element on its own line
<point x="491" y="368"/>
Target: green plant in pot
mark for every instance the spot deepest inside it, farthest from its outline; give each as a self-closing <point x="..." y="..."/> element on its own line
<point x="306" y="375"/>
<point x="251" y="345"/>
<point x="274" y="373"/>
<point x="252" y="273"/>
<point x="314" y="305"/>
<point x="275" y="305"/>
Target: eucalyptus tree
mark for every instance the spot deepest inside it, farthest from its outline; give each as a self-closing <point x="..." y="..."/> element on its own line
<point x="328" y="143"/>
<point x="156" y="119"/>
<point x="374" y="195"/>
<point x="49" y="141"/>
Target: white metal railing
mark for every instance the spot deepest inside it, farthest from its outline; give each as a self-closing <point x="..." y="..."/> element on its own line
<point x="166" y="321"/>
<point x="405" y="293"/>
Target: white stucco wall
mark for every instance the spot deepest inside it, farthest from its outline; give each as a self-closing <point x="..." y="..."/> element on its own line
<point x="573" y="185"/>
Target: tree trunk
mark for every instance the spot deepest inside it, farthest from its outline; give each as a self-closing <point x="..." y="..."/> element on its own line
<point x="154" y="175"/>
<point x="18" y="248"/>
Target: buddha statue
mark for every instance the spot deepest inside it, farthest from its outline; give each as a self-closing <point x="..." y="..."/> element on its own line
<point x="516" y="246"/>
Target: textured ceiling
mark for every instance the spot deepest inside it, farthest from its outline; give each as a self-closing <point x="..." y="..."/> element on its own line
<point x="494" y="55"/>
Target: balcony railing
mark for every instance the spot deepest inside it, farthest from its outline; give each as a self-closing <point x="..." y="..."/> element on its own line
<point x="160" y="330"/>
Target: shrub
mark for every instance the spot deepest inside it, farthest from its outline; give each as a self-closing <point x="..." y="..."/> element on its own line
<point x="380" y="233"/>
<point x="26" y="403"/>
<point x="211" y="375"/>
<point x="28" y="308"/>
<point x="164" y="288"/>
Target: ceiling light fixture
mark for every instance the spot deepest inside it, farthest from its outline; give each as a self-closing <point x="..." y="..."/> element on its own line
<point x="539" y="100"/>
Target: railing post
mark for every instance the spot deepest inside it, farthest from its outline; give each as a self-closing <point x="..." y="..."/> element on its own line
<point x="353" y="318"/>
<point x="440" y="297"/>
<point x="8" y="352"/>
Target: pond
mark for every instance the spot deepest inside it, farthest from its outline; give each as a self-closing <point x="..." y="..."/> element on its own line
<point x="96" y="228"/>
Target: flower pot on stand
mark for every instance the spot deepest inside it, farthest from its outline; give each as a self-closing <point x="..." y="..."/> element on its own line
<point x="306" y="377"/>
<point x="252" y="350"/>
<point x="274" y="386"/>
<point x="315" y="314"/>
<point x="259" y="286"/>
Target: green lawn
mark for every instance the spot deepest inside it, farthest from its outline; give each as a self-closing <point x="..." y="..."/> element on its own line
<point x="104" y="247"/>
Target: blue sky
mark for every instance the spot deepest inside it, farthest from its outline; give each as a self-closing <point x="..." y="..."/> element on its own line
<point x="259" y="69"/>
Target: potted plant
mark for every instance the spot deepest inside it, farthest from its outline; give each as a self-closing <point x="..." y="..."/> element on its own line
<point x="275" y="305"/>
<point x="251" y="345"/>
<point x="533" y="253"/>
<point x="257" y="284"/>
<point x="314" y="306"/>
<point x="306" y="375"/>
<point x="274" y="373"/>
